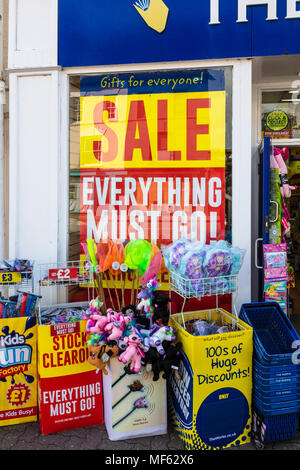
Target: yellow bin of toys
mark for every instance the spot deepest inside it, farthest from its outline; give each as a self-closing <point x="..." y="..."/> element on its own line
<point x="210" y="398"/>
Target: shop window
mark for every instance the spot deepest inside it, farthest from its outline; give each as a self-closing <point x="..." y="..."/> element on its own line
<point x="150" y="156"/>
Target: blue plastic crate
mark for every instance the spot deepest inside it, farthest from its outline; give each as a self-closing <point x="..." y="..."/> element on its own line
<point x="270" y="372"/>
<point x="279" y="427"/>
<point x="278" y="408"/>
<point x="272" y="331"/>
<point x="282" y="392"/>
<point x="274" y="396"/>
<point x="277" y="384"/>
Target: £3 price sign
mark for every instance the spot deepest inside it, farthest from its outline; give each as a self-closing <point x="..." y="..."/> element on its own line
<point x="10" y="278"/>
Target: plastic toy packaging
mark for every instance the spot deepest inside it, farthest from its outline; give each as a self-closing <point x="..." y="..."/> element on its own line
<point x="275" y="261"/>
<point x="174" y="253"/>
<point x="55" y="315"/>
<point x="202" y="327"/>
<point x="16" y="265"/>
<point x="276" y="291"/>
<point x="198" y="269"/>
<point x="218" y="261"/>
<point x="23" y="304"/>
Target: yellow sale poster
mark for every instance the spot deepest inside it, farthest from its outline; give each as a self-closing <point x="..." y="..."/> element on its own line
<point x="18" y="370"/>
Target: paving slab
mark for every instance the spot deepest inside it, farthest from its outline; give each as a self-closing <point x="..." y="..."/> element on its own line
<point x="28" y="437"/>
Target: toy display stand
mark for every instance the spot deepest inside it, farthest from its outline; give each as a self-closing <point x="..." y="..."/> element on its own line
<point x="64" y="275"/>
<point x="210" y="286"/>
<point x="23" y="280"/>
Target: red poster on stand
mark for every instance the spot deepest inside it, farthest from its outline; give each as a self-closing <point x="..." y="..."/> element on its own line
<point x="152" y="157"/>
<point x="70" y="390"/>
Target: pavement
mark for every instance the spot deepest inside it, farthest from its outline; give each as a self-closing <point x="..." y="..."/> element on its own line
<point x="27" y="436"/>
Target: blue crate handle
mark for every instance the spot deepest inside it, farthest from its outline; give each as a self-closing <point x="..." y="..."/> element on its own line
<point x="271" y="304"/>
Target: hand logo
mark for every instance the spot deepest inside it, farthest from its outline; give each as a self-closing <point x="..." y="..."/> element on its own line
<point x="154" y="13"/>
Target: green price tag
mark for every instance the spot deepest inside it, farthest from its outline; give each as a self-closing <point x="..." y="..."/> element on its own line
<point x="10" y="278"/>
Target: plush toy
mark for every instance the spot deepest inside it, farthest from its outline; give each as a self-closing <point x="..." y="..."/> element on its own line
<point x="145" y="304"/>
<point x="156" y="363"/>
<point x="97" y="340"/>
<point x="151" y="362"/>
<point x="157" y="337"/>
<point x="129" y="310"/>
<point x="100" y="355"/>
<point x="133" y="353"/>
<point x="161" y="312"/>
<point x="122" y="345"/>
<point x="116" y="328"/>
<point x="96" y="324"/>
<point x="170" y="362"/>
<point x="95" y="306"/>
<point x="278" y="161"/>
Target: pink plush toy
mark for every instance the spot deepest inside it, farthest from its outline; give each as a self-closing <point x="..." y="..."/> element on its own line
<point x="116" y="328"/>
<point x="96" y="324"/>
<point x="133" y="353"/>
<point x="278" y="161"/>
<point x="94" y="306"/>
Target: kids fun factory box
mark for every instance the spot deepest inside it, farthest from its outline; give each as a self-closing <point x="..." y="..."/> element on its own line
<point x="211" y="397"/>
<point x="18" y="370"/>
<point x="70" y="389"/>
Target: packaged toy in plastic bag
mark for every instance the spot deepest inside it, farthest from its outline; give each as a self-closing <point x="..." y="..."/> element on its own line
<point x="174" y="253"/>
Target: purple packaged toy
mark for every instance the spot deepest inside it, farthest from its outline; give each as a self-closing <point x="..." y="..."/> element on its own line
<point x="218" y="261"/>
<point x="174" y="253"/>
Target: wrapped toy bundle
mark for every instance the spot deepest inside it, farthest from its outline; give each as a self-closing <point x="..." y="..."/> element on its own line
<point x="197" y="269"/>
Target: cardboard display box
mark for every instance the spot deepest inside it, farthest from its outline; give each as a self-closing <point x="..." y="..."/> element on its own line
<point x="18" y="370"/>
<point x="134" y="405"/>
<point x="70" y="389"/>
<point x="211" y="402"/>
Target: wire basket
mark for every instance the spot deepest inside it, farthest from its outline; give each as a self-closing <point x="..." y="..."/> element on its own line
<point x="23" y="280"/>
<point x="65" y="274"/>
<point x="191" y="288"/>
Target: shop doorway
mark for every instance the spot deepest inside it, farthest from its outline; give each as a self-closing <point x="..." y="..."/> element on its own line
<point x="280" y="123"/>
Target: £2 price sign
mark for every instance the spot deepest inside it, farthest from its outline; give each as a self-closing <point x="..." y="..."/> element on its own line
<point x="63" y="274"/>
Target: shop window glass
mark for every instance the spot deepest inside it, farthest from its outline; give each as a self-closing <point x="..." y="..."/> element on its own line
<point x="150" y="157"/>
